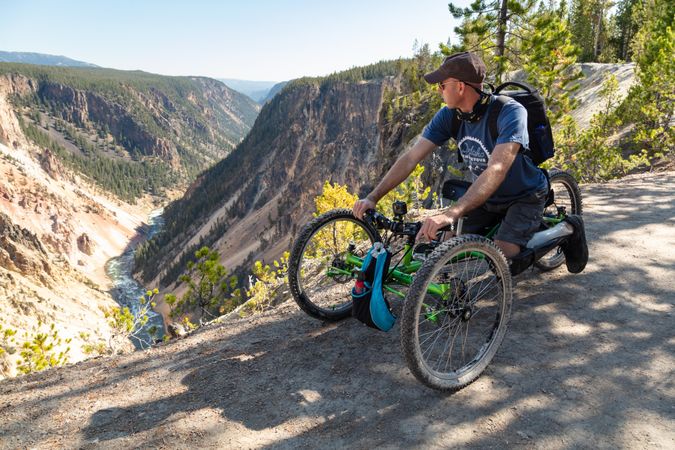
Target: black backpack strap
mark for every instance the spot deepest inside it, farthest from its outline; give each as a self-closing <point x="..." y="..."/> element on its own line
<point x="454" y="131"/>
<point x="493" y="115"/>
<point x="523" y="86"/>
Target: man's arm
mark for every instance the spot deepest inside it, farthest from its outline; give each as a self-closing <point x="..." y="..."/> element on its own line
<point x="403" y="167"/>
<point x="480" y="191"/>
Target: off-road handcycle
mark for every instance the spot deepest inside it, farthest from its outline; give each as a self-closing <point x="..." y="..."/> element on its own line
<point x="456" y="299"/>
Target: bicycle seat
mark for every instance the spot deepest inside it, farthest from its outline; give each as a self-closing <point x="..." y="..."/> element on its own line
<point x="453" y="189"/>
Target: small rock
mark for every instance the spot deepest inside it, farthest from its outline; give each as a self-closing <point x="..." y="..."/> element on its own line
<point x="85" y="244"/>
<point x="176" y="330"/>
<point x="523" y="435"/>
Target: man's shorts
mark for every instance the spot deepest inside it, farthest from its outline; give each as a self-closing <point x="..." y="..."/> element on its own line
<point x="520" y="219"/>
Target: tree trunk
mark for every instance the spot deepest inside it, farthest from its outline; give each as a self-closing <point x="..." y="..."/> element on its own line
<point x="598" y="29"/>
<point x="625" y="46"/>
<point x="501" y="41"/>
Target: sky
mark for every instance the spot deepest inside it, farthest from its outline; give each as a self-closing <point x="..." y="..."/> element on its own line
<point x="246" y="39"/>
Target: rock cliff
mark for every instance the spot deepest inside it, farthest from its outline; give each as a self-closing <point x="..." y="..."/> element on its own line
<point x="56" y="233"/>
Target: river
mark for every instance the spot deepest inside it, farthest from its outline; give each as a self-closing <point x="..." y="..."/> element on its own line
<point x="126" y="290"/>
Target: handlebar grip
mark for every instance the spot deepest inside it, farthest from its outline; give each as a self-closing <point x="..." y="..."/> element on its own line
<point x="370" y="217"/>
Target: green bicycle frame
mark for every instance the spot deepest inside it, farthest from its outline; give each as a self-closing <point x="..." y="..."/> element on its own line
<point x="402" y="272"/>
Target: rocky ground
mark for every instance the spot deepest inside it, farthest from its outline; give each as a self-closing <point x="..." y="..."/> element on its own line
<point x="588" y="362"/>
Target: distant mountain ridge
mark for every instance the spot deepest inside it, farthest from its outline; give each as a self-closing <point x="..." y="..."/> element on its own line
<point x="274" y="91"/>
<point x="257" y="90"/>
<point x="42" y="59"/>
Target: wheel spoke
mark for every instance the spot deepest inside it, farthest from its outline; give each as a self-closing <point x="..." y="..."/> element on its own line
<point x="321" y="277"/>
<point x="455" y="347"/>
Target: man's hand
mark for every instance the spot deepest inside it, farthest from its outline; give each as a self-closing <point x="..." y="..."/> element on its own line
<point x="361" y="206"/>
<point x="432" y="224"/>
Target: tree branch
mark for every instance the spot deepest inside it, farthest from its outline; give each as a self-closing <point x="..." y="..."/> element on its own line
<point x="518" y="36"/>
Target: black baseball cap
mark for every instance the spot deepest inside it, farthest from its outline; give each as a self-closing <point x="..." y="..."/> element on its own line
<point x="465" y="66"/>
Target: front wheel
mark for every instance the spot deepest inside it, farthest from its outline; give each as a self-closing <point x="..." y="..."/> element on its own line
<point x="456" y="312"/>
<point x="567" y="195"/>
<point x="323" y="260"/>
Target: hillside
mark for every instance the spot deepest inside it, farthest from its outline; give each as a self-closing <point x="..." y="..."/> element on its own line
<point x="131" y="132"/>
<point x="56" y="234"/>
<point x="587" y="363"/>
<point x="274" y="91"/>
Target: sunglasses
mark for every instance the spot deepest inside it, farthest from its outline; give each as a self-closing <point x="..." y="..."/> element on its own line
<point x="441" y="86"/>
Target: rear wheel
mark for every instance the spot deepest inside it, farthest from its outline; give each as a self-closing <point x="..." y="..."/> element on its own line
<point x="319" y="274"/>
<point x="567" y="195"/>
<point x="456" y="312"/>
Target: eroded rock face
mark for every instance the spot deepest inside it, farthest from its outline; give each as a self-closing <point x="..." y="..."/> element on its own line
<point x="6" y="193"/>
<point x="21" y="251"/>
<point x="12" y="232"/>
<point x="51" y="164"/>
<point x="85" y="244"/>
<point x="4" y="136"/>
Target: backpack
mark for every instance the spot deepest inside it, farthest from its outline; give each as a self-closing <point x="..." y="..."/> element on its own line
<point x="538" y="125"/>
<point x="369" y="304"/>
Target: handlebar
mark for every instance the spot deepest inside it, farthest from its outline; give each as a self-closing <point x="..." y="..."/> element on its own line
<point x="378" y="220"/>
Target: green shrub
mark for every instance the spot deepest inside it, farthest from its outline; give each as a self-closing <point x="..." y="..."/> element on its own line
<point x="591" y="155"/>
<point x="268" y="281"/>
<point x="40" y="351"/>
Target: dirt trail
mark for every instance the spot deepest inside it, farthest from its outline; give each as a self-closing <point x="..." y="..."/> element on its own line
<point x="588" y="362"/>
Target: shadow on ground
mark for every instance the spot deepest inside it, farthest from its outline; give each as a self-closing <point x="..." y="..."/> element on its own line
<point x="587" y="362"/>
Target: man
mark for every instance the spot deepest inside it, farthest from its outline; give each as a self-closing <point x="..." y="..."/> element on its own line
<point x="507" y="185"/>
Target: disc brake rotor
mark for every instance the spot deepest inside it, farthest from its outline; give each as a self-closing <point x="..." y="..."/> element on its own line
<point x="448" y="304"/>
<point x="340" y="264"/>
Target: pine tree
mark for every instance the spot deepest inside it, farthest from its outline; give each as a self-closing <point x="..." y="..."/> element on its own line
<point x="589" y="27"/>
<point x="536" y="40"/>
<point x="207" y="284"/>
<point x="496" y="27"/>
<point x="549" y="58"/>
<point x="625" y="28"/>
<point x="650" y="104"/>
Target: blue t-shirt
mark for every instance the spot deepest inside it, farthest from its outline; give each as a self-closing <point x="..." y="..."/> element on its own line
<point x="475" y="144"/>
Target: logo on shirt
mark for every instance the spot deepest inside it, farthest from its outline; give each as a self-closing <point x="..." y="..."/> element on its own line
<point x="474" y="153"/>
